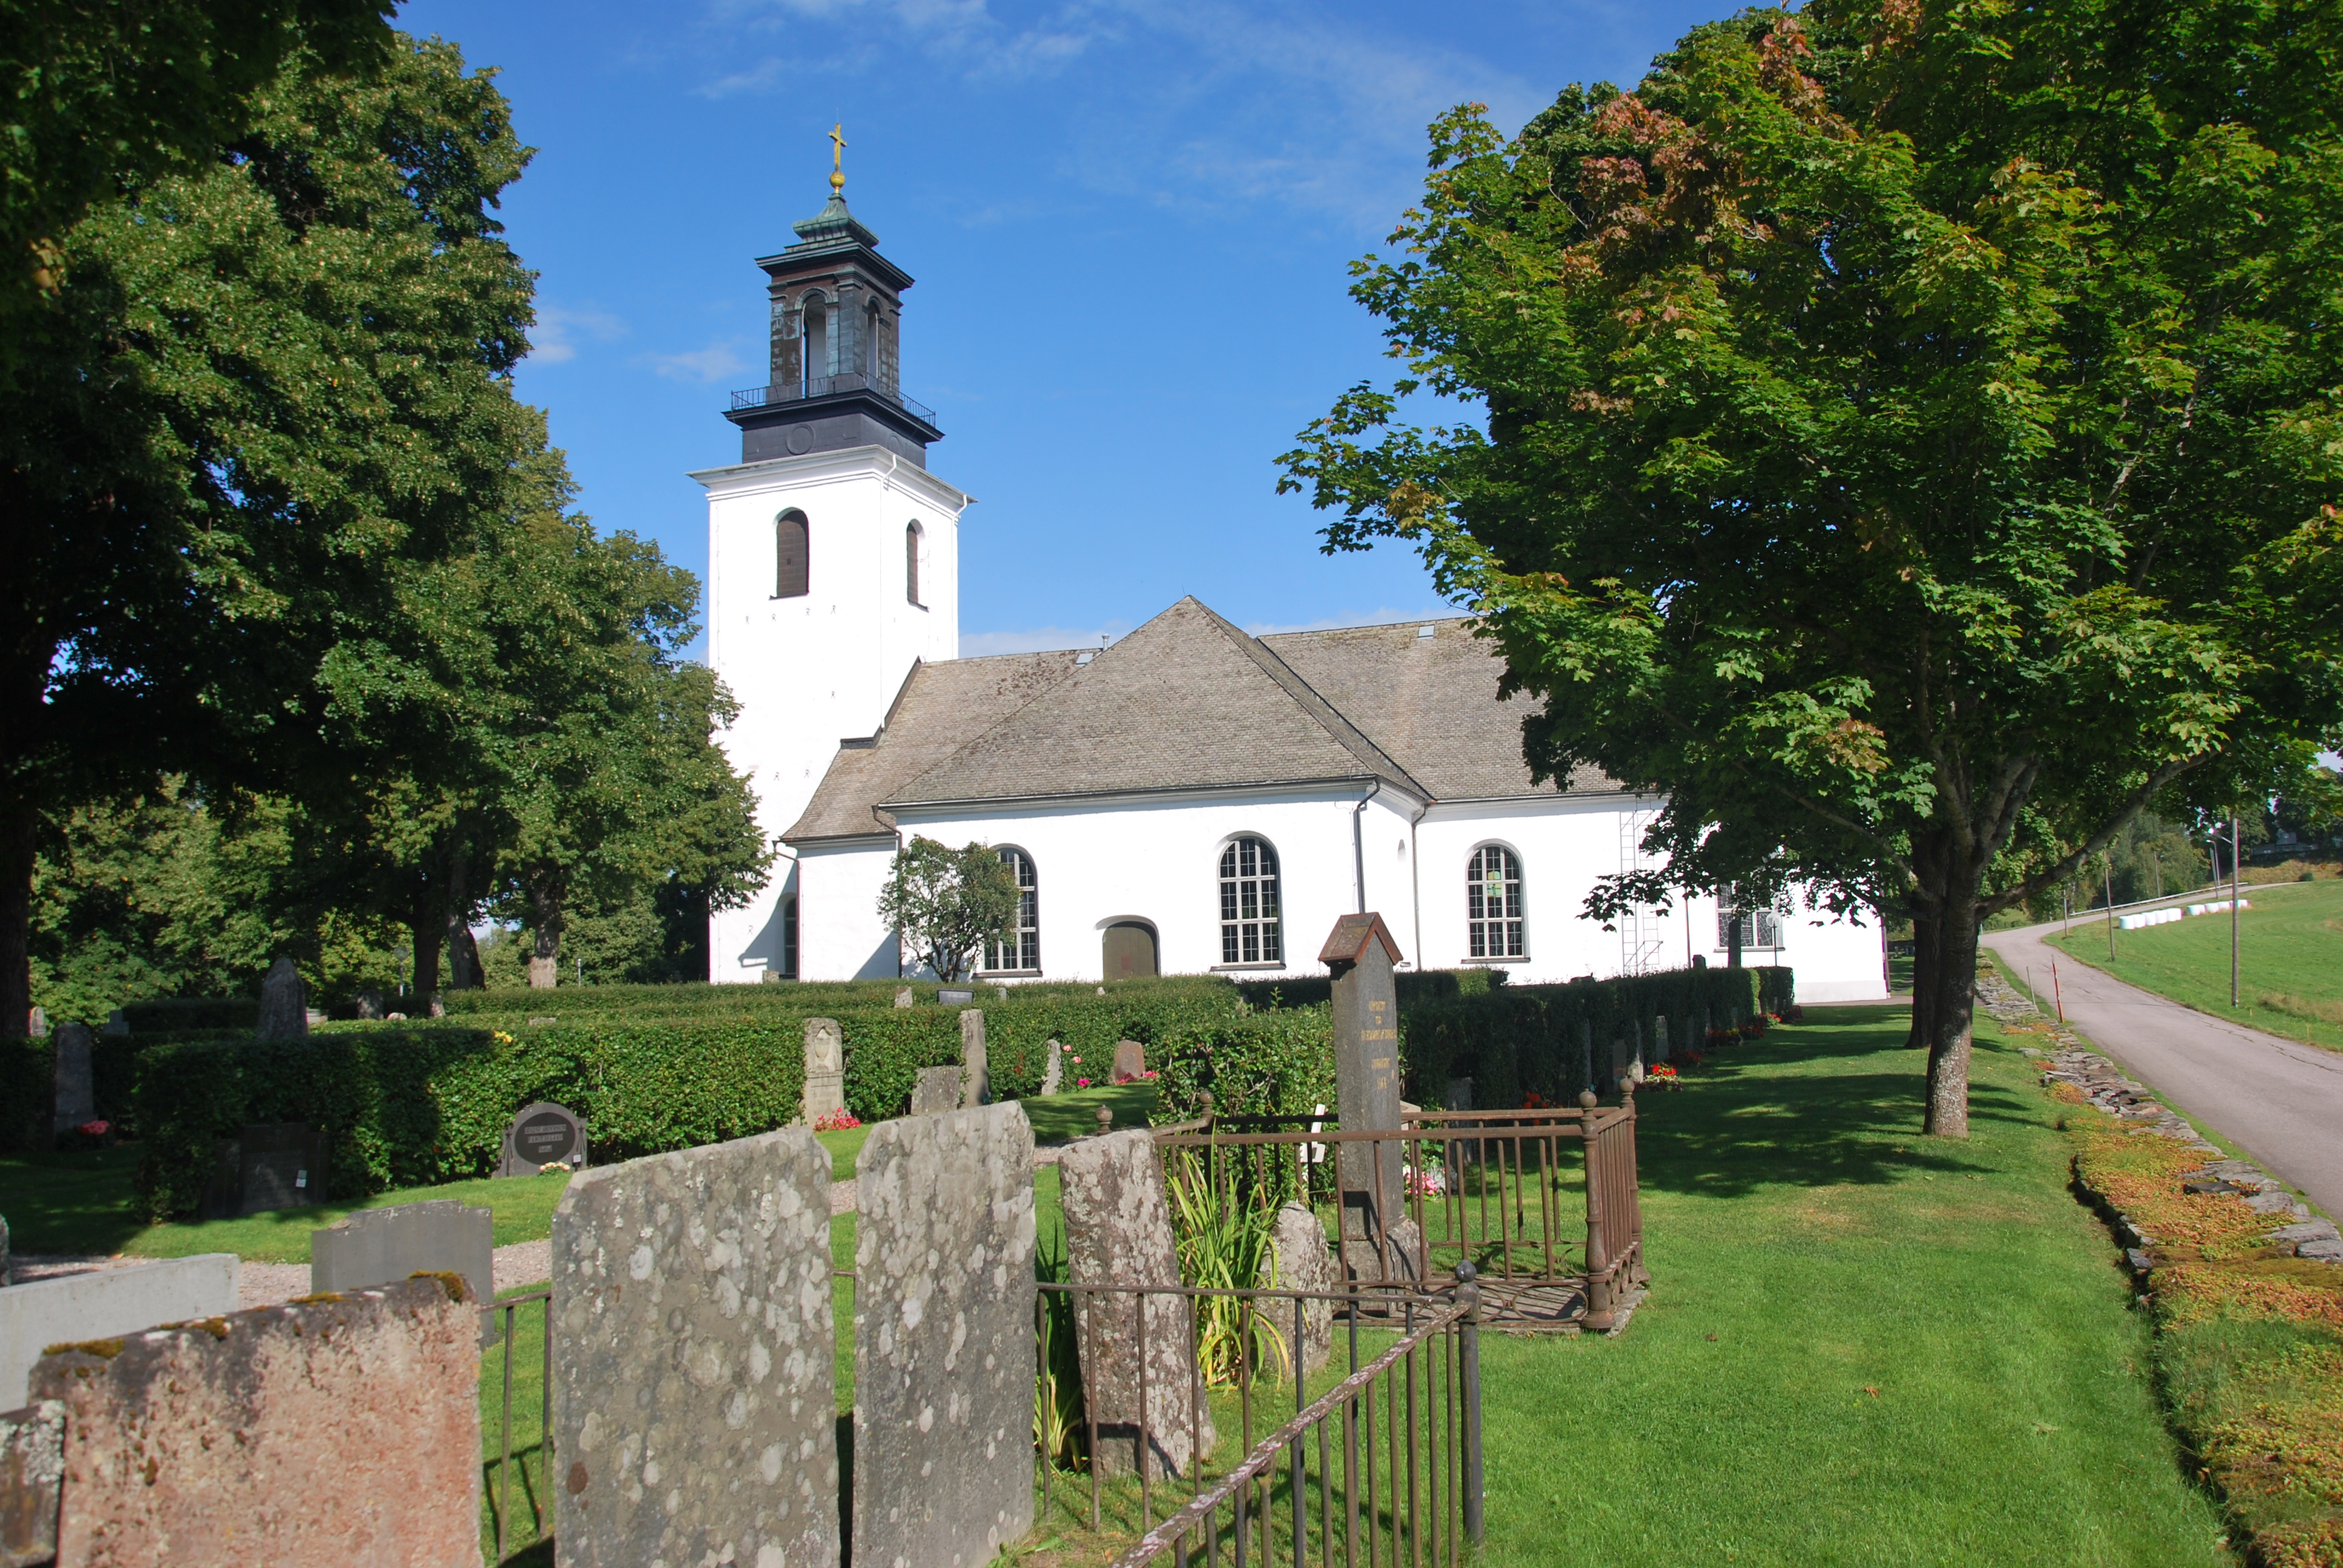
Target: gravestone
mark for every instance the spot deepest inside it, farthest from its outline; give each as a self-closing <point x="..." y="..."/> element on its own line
<point x="1360" y="951"/>
<point x="384" y="1246"/>
<point x="1304" y="1262"/>
<point x="32" y="1482"/>
<point x="543" y="1134"/>
<point x="341" y="1432"/>
<point x="371" y="1004"/>
<point x="117" y="1024"/>
<point x="694" y="1359"/>
<point x="1053" y="1073"/>
<point x="825" y="1069"/>
<point x="1663" y="1044"/>
<point x="1130" y="1061"/>
<point x="281" y="1165"/>
<point x="943" y="1339"/>
<point x="284" y="1003"/>
<point x="976" y="1075"/>
<point x="75" y="1089"/>
<point x="36" y="1024"/>
<point x="937" y="1092"/>
<point x="954" y="995"/>
<point x="903" y="996"/>
<point x="106" y="1303"/>
<point x="7" y="1263"/>
<point x="1119" y="1233"/>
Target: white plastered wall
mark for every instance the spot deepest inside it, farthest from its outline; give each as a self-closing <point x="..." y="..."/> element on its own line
<point x="840" y="936"/>
<point x="813" y="669"/>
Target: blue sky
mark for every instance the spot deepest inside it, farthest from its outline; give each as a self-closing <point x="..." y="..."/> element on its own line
<point x="1130" y="221"/>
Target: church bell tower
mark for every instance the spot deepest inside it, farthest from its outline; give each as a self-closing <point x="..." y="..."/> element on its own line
<point x="833" y="554"/>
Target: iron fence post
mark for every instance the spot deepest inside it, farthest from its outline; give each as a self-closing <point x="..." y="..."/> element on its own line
<point x="1468" y="1296"/>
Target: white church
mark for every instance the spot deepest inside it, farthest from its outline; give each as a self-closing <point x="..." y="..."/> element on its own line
<point x="1192" y="799"/>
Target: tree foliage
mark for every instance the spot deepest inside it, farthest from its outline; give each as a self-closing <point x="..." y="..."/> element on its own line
<point x="946" y="904"/>
<point x="1912" y="437"/>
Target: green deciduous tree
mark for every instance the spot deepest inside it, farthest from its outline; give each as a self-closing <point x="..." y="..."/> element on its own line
<point x="272" y="384"/>
<point x="1912" y="431"/>
<point x="946" y="904"/>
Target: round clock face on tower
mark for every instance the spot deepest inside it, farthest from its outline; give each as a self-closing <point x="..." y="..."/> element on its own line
<point x="800" y="440"/>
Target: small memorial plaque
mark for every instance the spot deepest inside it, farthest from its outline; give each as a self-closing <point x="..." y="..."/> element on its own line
<point x="543" y="1134"/>
<point x="950" y="997"/>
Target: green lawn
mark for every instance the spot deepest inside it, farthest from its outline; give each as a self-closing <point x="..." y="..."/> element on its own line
<point x="2290" y="982"/>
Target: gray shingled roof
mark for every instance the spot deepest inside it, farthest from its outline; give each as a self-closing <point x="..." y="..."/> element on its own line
<point x="1431" y="703"/>
<point x="1189" y="701"/>
<point x="1186" y="701"/>
<point x="942" y="707"/>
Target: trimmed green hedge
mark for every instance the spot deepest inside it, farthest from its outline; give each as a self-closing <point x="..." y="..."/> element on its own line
<point x="1278" y="1062"/>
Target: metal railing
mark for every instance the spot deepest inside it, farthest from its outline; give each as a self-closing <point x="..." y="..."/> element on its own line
<point x="824" y="386"/>
<point x="1487" y="1188"/>
<point x="498" y="1328"/>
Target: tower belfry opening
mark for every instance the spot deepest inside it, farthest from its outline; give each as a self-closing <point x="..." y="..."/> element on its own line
<point x="834" y="378"/>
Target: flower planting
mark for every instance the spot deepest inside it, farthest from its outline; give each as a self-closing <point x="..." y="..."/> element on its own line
<point x="840" y="1120"/>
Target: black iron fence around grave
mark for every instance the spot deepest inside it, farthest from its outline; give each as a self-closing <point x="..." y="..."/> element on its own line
<point x="1376" y="1459"/>
<point x="1488" y="1188"/>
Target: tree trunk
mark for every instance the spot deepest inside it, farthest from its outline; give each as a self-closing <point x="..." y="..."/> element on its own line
<point x="428" y="923"/>
<point x="1952" y="999"/>
<point x="1927" y="964"/>
<point x="463" y="953"/>
<point x="545" y="931"/>
<point x="19" y="830"/>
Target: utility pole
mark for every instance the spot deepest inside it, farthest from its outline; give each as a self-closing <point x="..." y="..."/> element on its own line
<point x="2236" y="857"/>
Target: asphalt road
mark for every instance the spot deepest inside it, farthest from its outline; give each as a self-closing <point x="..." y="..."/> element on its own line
<point x="2278" y="1101"/>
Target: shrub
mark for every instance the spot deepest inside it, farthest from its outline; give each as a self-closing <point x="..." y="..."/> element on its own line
<point x="1275" y="1063"/>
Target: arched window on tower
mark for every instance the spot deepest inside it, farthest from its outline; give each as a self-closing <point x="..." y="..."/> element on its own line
<point x="1023" y="952"/>
<point x="815" y="311"/>
<point x="915" y="541"/>
<point x="1251" y="925"/>
<point x="1492" y="904"/>
<point x="790" y="552"/>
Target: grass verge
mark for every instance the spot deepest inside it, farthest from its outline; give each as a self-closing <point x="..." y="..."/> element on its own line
<point x="2248" y="1339"/>
<point x="2288" y="983"/>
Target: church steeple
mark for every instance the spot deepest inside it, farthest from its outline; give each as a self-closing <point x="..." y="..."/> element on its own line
<point x="834" y="367"/>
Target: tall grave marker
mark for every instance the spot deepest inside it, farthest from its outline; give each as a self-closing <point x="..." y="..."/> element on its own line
<point x="825" y="1069"/>
<point x="1359" y="952"/>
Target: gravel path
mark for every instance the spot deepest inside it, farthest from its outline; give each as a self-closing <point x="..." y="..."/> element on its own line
<point x="2279" y="1100"/>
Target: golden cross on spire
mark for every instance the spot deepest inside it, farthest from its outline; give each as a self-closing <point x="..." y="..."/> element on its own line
<point x="838" y="159"/>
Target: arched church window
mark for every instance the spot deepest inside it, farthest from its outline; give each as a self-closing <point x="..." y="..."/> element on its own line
<point x="1022" y="951"/>
<point x="817" y="344"/>
<point x="1492" y="904"/>
<point x="791" y="549"/>
<point x="1250" y="918"/>
<point x="913" y="539"/>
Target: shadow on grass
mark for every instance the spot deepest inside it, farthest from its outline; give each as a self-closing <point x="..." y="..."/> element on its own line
<point x="1836" y="1101"/>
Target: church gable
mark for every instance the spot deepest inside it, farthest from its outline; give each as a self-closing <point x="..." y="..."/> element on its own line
<point x="1185" y="702"/>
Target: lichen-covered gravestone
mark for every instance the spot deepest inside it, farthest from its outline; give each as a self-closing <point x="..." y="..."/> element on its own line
<point x="1304" y="1262"/>
<point x="937" y="1092"/>
<point x="693" y="1406"/>
<point x="1053" y="1075"/>
<point x="825" y="1069"/>
<point x="1119" y="1233"/>
<point x="976" y="1080"/>
<point x="284" y="1004"/>
<point x="943" y="1339"/>
<point x="384" y="1246"/>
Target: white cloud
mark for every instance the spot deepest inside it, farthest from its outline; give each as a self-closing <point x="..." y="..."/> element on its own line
<point x="1036" y="639"/>
<point x="720" y="361"/>
<point x="554" y="340"/>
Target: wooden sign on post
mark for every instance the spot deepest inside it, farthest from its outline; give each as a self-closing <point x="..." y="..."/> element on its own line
<point x="1359" y="952"/>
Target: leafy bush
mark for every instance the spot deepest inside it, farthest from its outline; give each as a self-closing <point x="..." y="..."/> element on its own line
<point x="1276" y="1064"/>
<point x="168" y="1015"/>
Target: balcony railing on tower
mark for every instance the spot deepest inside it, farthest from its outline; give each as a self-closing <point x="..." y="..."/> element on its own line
<point x="823" y="387"/>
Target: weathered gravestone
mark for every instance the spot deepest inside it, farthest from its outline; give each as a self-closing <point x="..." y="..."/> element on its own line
<point x="32" y="1482"/>
<point x="284" y="1003"/>
<point x="371" y="1004"/>
<point x="1130" y="1061"/>
<point x="266" y="1166"/>
<point x="937" y="1092"/>
<point x="976" y="1074"/>
<point x="106" y="1303"/>
<point x="903" y="997"/>
<point x="118" y="1023"/>
<point x="1360" y="951"/>
<point x="76" y="1089"/>
<point x="1304" y="1262"/>
<point x="1053" y="1074"/>
<point x="943" y="1339"/>
<point x="36" y="1024"/>
<point x="954" y="995"/>
<point x="825" y="1069"/>
<point x="1662" y="1045"/>
<point x="341" y="1432"/>
<point x="543" y="1134"/>
<point x="693" y="1412"/>
<point x="384" y="1246"/>
<point x="1119" y="1233"/>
